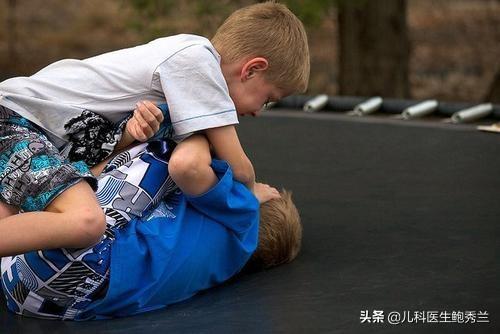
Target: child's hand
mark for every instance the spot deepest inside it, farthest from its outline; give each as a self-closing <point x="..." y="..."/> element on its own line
<point x="145" y="122"/>
<point x="265" y="192"/>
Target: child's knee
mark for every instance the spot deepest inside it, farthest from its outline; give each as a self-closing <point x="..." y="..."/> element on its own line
<point x="186" y="167"/>
<point x="91" y="225"/>
<point x="7" y="210"/>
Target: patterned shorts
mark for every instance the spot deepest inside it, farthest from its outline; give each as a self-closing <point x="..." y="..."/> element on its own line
<point x="32" y="170"/>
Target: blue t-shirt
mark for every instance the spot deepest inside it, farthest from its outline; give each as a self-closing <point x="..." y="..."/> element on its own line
<point x="186" y="244"/>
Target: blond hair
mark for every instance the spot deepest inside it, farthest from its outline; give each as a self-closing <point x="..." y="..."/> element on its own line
<point x="272" y="31"/>
<point x="280" y="234"/>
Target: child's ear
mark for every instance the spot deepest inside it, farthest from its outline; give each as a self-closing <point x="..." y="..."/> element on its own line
<point x="253" y="66"/>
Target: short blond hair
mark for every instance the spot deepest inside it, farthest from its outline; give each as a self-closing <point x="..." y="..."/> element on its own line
<point x="280" y="234"/>
<point x="272" y="31"/>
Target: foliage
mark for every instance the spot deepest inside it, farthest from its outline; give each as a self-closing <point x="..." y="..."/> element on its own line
<point x="311" y="12"/>
<point x="153" y="7"/>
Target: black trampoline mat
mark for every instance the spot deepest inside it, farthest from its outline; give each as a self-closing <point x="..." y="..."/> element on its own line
<point x="397" y="216"/>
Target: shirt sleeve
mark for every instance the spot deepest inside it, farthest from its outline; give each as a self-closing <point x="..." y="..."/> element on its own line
<point x="229" y="202"/>
<point x="196" y="91"/>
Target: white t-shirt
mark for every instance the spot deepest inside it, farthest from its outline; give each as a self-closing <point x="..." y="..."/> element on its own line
<point x="183" y="71"/>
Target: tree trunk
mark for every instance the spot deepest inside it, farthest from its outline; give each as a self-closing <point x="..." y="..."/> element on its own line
<point x="11" y="31"/>
<point x="374" y="48"/>
<point x="494" y="92"/>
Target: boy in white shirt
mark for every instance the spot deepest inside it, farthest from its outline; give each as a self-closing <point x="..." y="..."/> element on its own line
<point x="75" y="109"/>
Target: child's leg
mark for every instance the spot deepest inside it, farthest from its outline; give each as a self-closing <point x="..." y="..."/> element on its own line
<point x="189" y="166"/>
<point x="74" y="219"/>
<point x="7" y="210"/>
<point x="34" y="176"/>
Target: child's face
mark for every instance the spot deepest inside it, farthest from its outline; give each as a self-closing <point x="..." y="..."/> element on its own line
<point x="254" y="94"/>
<point x="252" y="90"/>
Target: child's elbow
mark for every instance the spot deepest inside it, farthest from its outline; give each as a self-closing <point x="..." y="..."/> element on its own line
<point x="244" y="173"/>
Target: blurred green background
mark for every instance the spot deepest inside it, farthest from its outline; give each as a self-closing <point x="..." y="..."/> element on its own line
<point x="451" y="48"/>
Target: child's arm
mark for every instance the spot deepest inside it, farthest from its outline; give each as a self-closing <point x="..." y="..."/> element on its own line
<point x="189" y="167"/>
<point x="224" y="140"/>
<point x="226" y="145"/>
<point x="142" y="126"/>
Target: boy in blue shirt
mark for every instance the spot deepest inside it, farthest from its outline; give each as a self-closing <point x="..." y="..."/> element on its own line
<point x="161" y="245"/>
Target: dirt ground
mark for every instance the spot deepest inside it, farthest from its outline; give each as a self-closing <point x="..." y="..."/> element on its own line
<point x="454" y="56"/>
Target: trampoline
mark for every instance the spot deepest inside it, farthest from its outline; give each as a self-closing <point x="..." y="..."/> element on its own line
<point x="398" y="216"/>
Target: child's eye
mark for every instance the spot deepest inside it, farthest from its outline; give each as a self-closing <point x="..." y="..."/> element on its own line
<point x="267" y="104"/>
